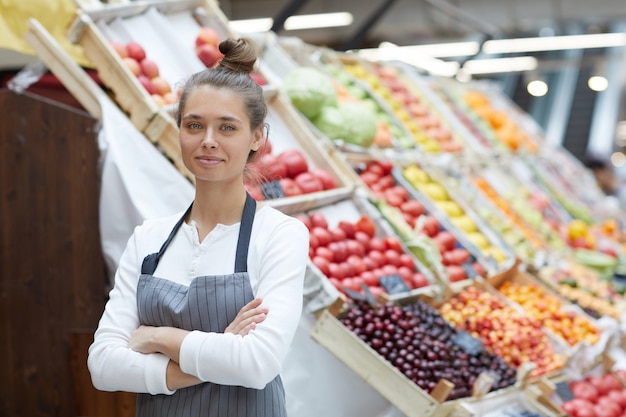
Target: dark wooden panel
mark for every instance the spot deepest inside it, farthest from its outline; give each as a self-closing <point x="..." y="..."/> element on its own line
<point x="52" y="275"/>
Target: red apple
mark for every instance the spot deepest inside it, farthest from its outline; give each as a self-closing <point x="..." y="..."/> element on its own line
<point x="308" y="182"/>
<point x="209" y="55"/>
<point x="136" y="51"/>
<point x="119" y="48"/>
<point x="207" y="36"/>
<point x="149" y="68"/>
<point x="133" y="65"/>
<point x="161" y="86"/>
<point x="147" y="84"/>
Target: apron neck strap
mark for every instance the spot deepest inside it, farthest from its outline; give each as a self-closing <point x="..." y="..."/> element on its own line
<point x="151" y="261"/>
<point x="245" y="230"/>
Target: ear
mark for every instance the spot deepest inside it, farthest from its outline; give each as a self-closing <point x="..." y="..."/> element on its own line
<point x="257" y="138"/>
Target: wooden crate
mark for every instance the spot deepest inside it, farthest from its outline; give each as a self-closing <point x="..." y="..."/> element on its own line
<point x="284" y="117"/>
<point x="394" y="386"/>
<point x="409" y="398"/>
<point x="127" y="91"/>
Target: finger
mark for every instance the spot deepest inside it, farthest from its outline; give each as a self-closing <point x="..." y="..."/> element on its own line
<point x="238" y="325"/>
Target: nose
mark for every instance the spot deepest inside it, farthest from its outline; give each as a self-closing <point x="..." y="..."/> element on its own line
<point x="208" y="141"/>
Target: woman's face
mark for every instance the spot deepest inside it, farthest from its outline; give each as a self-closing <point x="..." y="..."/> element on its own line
<point x="215" y="135"/>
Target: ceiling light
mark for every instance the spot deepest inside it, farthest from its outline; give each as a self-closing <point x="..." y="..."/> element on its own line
<point x="597" y="83"/>
<point x="305" y="21"/>
<point x="500" y="65"/>
<point x="262" y="24"/>
<point x="322" y="20"/>
<point x="553" y="43"/>
<point x="618" y="159"/>
<point x="537" y="88"/>
<point x="442" y="50"/>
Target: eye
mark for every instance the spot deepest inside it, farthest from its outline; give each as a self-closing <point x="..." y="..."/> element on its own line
<point x="228" y="128"/>
<point x="194" y="125"/>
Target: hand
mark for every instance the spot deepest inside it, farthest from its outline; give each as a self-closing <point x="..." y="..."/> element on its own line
<point x="143" y="339"/>
<point x="248" y="317"/>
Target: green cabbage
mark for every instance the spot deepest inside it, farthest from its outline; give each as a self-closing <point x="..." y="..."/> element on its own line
<point x="309" y="90"/>
<point x="351" y="122"/>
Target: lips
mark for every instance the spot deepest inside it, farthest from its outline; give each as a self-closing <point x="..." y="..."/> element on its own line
<point x="208" y="160"/>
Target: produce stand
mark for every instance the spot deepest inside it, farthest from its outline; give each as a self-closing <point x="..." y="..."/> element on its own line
<point x="466" y="161"/>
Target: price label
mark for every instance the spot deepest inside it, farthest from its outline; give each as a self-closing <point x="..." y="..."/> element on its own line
<point x="468" y="343"/>
<point x="563" y="391"/>
<point x="272" y="190"/>
<point x="355" y="295"/>
<point x="393" y="284"/>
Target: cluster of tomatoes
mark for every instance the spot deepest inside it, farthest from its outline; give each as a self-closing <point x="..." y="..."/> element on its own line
<point x="353" y="254"/>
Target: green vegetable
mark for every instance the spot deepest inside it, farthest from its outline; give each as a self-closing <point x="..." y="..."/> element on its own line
<point x="594" y="259"/>
<point x="569" y="281"/>
<point x="309" y="90"/>
<point x="351" y="122"/>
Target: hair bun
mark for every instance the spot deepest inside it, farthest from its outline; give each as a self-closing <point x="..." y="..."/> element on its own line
<point x="240" y="55"/>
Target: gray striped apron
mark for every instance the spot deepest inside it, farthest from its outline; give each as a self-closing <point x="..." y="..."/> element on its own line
<point x="209" y="304"/>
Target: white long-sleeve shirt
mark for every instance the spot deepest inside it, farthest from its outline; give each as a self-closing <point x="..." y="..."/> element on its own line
<point x="277" y="260"/>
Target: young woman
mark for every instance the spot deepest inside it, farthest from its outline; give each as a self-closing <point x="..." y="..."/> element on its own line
<point x="206" y="303"/>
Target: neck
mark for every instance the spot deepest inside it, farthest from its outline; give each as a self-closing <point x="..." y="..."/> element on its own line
<point x="213" y="205"/>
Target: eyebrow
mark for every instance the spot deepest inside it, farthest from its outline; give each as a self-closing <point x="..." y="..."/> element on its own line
<point x="193" y="116"/>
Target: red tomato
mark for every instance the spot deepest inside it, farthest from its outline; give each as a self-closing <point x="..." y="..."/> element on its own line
<point x="355" y="247"/>
<point x="377" y="256"/>
<point x="392" y="257"/>
<point x="446" y="239"/>
<point x="386" y="182"/>
<point x="295" y="162"/>
<point x="407" y="276"/>
<point x="322" y="264"/>
<point x="406" y="260"/>
<point x="308" y="183"/>
<point x="327" y="180"/>
<point x="323" y="235"/>
<point x="313" y="241"/>
<point x="289" y="187"/>
<point x="369" y="178"/>
<point x="357" y="263"/>
<point x="393" y="242"/>
<point x="375" y="168"/>
<point x="318" y="220"/>
<point x="339" y="251"/>
<point x="389" y="270"/>
<point x="392" y="198"/>
<point x="335" y="271"/>
<point x="347" y="268"/>
<point x="369" y="278"/>
<point x="419" y="280"/>
<point x="338" y="235"/>
<point x="347" y="227"/>
<point x="370" y="264"/>
<point x="456" y="273"/>
<point x="431" y="226"/>
<point x="413" y="207"/>
<point x="377" y="243"/>
<point x="324" y="252"/>
<point x="363" y="238"/>
<point x="366" y="224"/>
<point x="400" y="191"/>
<point x="271" y="168"/>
